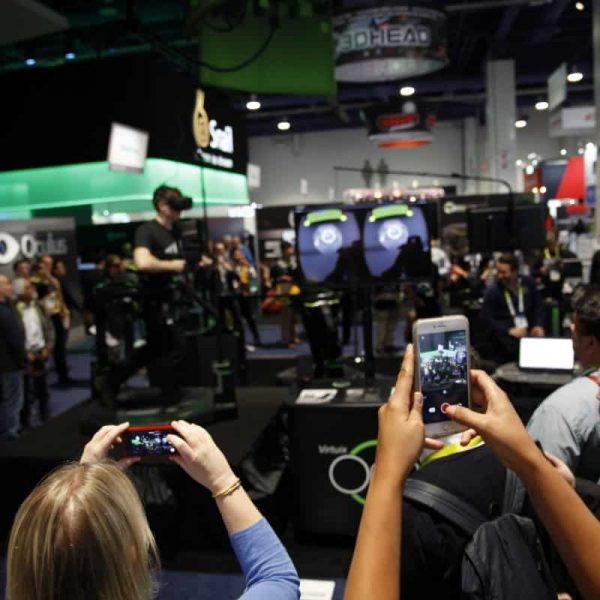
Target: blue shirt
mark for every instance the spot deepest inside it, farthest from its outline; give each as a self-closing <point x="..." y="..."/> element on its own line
<point x="267" y="567"/>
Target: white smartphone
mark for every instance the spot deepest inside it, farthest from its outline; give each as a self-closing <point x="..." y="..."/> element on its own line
<point x="442" y="366"/>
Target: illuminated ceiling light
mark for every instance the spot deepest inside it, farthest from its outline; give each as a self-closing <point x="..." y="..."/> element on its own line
<point x="535" y="190"/>
<point x="531" y="155"/>
<point x="521" y="122"/>
<point x="580" y="150"/>
<point x="407" y="90"/>
<point x="541" y="105"/>
<point x="543" y="189"/>
<point x="534" y="162"/>
<point x="579" y="5"/>
<point x="253" y="103"/>
<point x="589" y="146"/>
<point x="30" y="61"/>
<point x="70" y="55"/>
<point x="563" y="151"/>
<point x="284" y="124"/>
<point x="519" y="162"/>
<point x="575" y="76"/>
<point x="413" y="198"/>
<point x="529" y="170"/>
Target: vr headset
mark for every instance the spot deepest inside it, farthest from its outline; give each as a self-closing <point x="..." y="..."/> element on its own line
<point x="179" y="202"/>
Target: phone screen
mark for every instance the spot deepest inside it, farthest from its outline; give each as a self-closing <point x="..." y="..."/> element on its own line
<point x="443" y="373"/>
<point x="148" y="442"/>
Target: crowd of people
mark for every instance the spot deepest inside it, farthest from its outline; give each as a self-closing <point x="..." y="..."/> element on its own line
<point x="35" y="317"/>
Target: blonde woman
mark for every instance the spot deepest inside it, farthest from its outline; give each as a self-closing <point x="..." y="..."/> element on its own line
<point x="83" y="533"/>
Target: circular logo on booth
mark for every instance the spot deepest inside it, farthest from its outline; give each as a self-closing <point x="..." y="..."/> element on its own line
<point x="350" y="473"/>
<point x="9" y="248"/>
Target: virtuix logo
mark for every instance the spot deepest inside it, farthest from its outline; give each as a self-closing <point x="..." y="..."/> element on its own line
<point x="332" y="450"/>
<point x="30" y="246"/>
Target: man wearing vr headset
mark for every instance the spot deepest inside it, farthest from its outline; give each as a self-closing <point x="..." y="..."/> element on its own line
<point x="157" y="256"/>
<point x="156" y="250"/>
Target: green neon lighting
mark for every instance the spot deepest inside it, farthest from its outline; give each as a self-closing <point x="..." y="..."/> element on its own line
<point x="355" y="451"/>
<point x="392" y="210"/>
<point x="114" y="191"/>
<point x="320" y="216"/>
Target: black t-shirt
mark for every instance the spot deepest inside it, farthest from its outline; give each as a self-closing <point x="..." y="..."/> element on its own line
<point x="162" y="244"/>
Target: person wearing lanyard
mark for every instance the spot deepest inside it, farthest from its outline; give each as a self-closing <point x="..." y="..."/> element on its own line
<point x="567" y="423"/>
<point x="548" y="269"/>
<point x="512" y="309"/>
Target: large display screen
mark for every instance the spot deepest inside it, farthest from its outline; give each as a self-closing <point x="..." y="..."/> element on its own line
<point x="363" y="243"/>
<point x="443" y="372"/>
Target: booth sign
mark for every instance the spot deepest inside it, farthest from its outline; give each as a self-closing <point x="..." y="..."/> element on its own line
<point x="389" y="43"/>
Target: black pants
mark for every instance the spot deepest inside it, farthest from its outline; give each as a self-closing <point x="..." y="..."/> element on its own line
<point x="35" y="388"/>
<point x="246" y="312"/>
<point x="60" y="348"/>
<point x="164" y="351"/>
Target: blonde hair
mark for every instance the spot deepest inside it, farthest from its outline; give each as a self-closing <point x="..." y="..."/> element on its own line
<point x="82" y="533"/>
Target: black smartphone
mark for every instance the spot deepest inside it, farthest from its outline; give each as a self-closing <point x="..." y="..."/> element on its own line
<point x="148" y="442"/>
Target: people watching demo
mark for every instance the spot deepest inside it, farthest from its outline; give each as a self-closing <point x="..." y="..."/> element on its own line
<point x="39" y="339"/>
<point x="13" y="360"/>
<point x="83" y="533"/>
<point x="512" y="308"/>
<point x="376" y="562"/>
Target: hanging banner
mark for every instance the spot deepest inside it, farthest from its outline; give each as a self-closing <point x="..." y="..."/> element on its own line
<point x="219" y="133"/>
<point x="399" y="124"/>
<point x="389" y="43"/>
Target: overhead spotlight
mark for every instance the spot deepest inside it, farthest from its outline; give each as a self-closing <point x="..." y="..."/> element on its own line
<point x="529" y="170"/>
<point x="535" y="190"/>
<point x="253" y="103"/>
<point x="70" y="55"/>
<point x="580" y="150"/>
<point x="407" y="90"/>
<point x="563" y="151"/>
<point x="284" y="124"/>
<point x="541" y="105"/>
<point x="531" y="155"/>
<point x="575" y="75"/>
<point x="534" y="162"/>
<point x="30" y="61"/>
<point x="579" y="5"/>
<point x="521" y="122"/>
<point x="543" y="189"/>
<point x="519" y="162"/>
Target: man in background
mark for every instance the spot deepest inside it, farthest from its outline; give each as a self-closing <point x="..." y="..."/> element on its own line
<point x="512" y="308"/>
<point x="12" y="362"/>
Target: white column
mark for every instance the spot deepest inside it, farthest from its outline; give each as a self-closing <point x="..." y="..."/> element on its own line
<point x="501" y="114"/>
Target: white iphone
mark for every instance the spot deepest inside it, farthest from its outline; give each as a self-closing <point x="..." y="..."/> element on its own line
<point x="442" y="366"/>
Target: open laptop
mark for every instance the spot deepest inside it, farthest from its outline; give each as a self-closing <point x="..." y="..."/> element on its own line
<point x="553" y="355"/>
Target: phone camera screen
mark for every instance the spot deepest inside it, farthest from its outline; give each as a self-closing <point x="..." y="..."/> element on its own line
<point x="152" y="442"/>
<point x="443" y="373"/>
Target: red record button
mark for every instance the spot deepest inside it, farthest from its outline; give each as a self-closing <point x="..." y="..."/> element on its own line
<point x="444" y="407"/>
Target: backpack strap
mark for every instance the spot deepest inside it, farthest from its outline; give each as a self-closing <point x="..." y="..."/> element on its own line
<point x="454" y="509"/>
<point x="514" y="494"/>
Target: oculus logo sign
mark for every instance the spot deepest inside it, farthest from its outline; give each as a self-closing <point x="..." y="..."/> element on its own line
<point x="389" y="43"/>
<point x="30" y="246"/>
<point x="214" y="141"/>
<point x="350" y="472"/>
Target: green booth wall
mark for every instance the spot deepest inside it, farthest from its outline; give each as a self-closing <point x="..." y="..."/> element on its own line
<point x="87" y="189"/>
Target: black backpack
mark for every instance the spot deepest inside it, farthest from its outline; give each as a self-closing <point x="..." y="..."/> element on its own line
<point x="504" y="559"/>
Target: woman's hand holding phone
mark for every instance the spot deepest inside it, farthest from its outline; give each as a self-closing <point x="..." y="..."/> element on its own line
<point x="103" y="441"/>
<point x="200" y="457"/>
<point x="401" y="434"/>
<point x="498" y="423"/>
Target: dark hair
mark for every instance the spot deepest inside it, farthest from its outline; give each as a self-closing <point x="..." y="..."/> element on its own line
<point x="19" y="262"/>
<point x="508" y="258"/>
<point x="164" y="192"/>
<point x="586" y="304"/>
<point x="112" y="260"/>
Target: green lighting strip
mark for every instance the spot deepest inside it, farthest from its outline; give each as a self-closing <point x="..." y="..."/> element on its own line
<point x="94" y="184"/>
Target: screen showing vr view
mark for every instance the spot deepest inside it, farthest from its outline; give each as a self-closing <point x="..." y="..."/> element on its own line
<point x="443" y="372"/>
<point x="152" y="442"/>
<point x="363" y="243"/>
